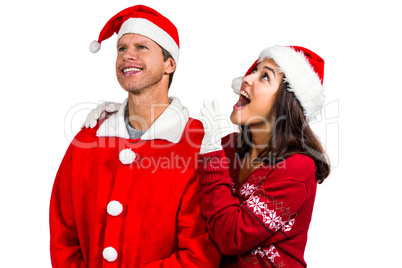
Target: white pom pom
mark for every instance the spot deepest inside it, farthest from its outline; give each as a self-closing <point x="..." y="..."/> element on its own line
<point x="236" y="84"/>
<point x="109" y="254"/>
<point x="114" y="208"/>
<point x="95" y="46"/>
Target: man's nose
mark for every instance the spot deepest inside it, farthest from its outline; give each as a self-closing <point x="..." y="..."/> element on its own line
<point x="130" y="54"/>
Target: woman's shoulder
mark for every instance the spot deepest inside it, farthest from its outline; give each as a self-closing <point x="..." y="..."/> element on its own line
<point x="229" y="144"/>
<point x="297" y="167"/>
<point x="300" y="160"/>
<point x="229" y="140"/>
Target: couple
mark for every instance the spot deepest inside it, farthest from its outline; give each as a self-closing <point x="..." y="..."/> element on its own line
<point x="248" y="197"/>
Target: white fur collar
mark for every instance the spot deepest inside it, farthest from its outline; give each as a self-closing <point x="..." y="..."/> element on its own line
<point x="168" y="126"/>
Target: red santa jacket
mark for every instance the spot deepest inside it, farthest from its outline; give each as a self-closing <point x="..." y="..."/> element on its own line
<point x="118" y="202"/>
<point x="262" y="222"/>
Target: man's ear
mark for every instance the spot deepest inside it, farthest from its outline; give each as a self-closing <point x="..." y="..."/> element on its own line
<point x="170" y="65"/>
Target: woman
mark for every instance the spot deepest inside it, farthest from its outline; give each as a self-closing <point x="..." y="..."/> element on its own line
<point x="258" y="190"/>
<point x="259" y="185"/>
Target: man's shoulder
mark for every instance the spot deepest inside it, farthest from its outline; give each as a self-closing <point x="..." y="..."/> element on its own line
<point x="193" y="134"/>
<point x="86" y="136"/>
<point x="193" y="124"/>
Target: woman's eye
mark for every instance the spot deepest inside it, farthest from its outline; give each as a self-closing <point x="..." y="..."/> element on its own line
<point x="254" y="70"/>
<point x="265" y="77"/>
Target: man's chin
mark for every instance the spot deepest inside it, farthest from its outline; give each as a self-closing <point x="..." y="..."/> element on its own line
<point x="135" y="91"/>
<point x="130" y="89"/>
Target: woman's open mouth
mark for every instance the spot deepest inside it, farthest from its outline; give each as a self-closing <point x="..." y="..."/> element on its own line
<point x="244" y="100"/>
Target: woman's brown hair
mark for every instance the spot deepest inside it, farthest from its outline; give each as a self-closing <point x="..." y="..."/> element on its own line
<point x="290" y="135"/>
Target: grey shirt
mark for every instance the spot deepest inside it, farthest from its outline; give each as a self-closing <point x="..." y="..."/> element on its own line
<point x="132" y="132"/>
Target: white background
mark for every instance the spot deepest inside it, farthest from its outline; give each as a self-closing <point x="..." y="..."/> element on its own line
<point x="50" y="80"/>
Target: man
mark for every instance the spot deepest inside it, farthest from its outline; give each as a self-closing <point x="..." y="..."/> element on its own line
<point x="127" y="193"/>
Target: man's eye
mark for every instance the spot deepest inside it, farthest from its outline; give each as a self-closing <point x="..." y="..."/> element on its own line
<point x="141" y="47"/>
<point x="122" y="49"/>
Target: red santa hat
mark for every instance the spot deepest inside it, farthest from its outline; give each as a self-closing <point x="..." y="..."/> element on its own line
<point x="303" y="70"/>
<point x="145" y="21"/>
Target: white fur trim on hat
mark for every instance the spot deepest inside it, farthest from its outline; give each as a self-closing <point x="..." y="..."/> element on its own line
<point x="146" y="28"/>
<point x="302" y="79"/>
<point x="95" y="46"/>
<point x="236" y="84"/>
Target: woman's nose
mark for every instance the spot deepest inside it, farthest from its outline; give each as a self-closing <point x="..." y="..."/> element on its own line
<point x="248" y="80"/>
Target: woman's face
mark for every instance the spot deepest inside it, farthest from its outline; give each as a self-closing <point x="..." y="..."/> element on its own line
<point x="257" y="94"/>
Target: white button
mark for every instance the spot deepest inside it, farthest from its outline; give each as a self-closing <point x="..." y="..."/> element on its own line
<point x="109" y="254"/>
<point x="127" y="156"/>
<point x="114" y="208"/>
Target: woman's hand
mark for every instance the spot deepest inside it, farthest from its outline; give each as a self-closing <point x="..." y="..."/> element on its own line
<point x="100" y="112"/>
<point x="211" y="121"/>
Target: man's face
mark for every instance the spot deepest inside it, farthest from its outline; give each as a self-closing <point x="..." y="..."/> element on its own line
<point x="140" y="65"/>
